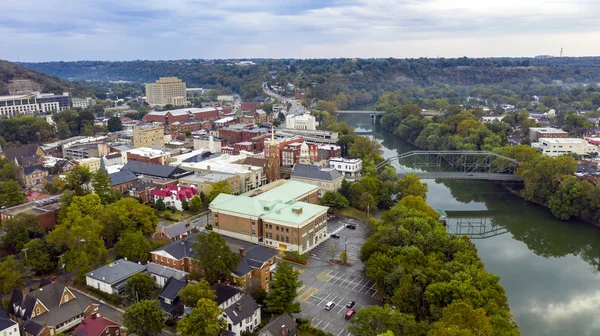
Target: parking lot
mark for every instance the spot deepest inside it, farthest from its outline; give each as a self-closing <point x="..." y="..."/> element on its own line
<point x="324" y="282"/>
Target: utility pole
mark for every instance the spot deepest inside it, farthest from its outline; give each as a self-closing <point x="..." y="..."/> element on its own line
<point x="25" y="250"/>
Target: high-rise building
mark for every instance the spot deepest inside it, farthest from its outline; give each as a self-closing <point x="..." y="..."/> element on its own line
<point x="148" y="135"/>
<point x="166" y="90"/>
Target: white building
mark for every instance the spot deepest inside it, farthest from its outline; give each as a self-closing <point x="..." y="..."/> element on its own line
<point x="350" y="168"/>
<point x="228" y="99"/>
<point x="8" y="327"/>
<point x="161" y="273"/>
<point x="564" y="146"/>
<point x="240" y="312"/>
<point x="301" y="122"/>
<point x="174" y="195"/>
<point x="83" y="102"/>
<point x="111" y="278"/>
<point x="207" y="143"/>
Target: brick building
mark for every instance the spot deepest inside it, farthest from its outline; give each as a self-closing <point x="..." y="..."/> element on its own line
<point x="148" y="155"/>
<point x="46" y="210"/>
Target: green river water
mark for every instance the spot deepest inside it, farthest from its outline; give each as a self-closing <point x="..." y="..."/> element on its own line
<point x="548" y="267"/>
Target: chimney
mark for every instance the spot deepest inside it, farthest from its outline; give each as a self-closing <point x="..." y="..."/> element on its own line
<point x="238" y="307"/>
<point x="25" y="291"/>
<point x="94" y="316"/>
<point x="242" y="252"/>
<point x="185" y="237"/>
<point x="283" y="330"/>
<point x="53" y="279"/>
<point x="189" y="222"/>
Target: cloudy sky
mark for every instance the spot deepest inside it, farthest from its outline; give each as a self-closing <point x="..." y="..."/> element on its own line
<point x="52" y="30"/>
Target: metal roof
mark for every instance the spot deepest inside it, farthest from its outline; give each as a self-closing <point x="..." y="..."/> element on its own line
<point x="116" y="271"/>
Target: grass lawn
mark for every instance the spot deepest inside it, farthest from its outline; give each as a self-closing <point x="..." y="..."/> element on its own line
<point x="177" y="216"/>
<point x="353" y="213"/>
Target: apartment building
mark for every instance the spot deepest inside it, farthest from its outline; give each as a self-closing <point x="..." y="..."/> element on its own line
<point x="148" y="135"/>
<point x="148" y="155"/>
<point x="166" y="90"/>
<point x="282" y="215"/>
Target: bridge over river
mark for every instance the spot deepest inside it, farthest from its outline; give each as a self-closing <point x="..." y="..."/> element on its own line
<point x="476" y="224"/>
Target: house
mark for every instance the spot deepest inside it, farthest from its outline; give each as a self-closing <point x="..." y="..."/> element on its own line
<point x="8" y="327"/>
<point x="169" y="233"/>
<point x="327" y="179"/>
<point x="111" y="278"/>
<point x="53" y="308"/>
<point x="66" y="166"/>
<point x="242" y="316"/>
<point x="282" y="325"/>
<point x="226" y="294"/>
<point x="97" y="325"/>
<point x="161" y="273"/>
<point x="174" y="195"/>
<point x="169" y="298"/>
<point x="32" y="175"/>
<point x="122" y="180"/>
<point x="142" y="190"/>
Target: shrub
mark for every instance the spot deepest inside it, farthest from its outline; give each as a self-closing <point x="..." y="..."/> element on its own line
<point x="113" y="299"/>
<point x="296" y="257"/>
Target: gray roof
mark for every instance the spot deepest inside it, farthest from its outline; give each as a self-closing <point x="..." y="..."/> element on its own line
<point x="274" y="327"/>
<point x="314" y="172"/>
<point x="177" y="229"/>
<point x="165" y="272"/>
<point x="247" y="307"/>
<point x="116" y="271"/>
<point x="23" y="154"/>
<point x="172" y="288"/>
<point x="151" y="169"/>
<point x="32" y="328"/>
<point x="5" y="322"/>
<point x="27" y="170"/>
<point x="122" y="176"/>
<point x="224" y="292"/>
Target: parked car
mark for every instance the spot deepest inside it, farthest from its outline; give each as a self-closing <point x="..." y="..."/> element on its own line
<point x="329" y="305"/>
<point x="351" y="226"/>
<point x="350" y="313"/>
<point x="335" y="235"/>
<point x="350" y="304"/>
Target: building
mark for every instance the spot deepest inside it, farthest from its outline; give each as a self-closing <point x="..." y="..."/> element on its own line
<point x="50" y="102"/>
<point x="349" y="168"/>
<point x="148" y="135"/>
<point x="93" y="163"/>
<point x="111" y="278"/>
<point x="97" y="325"/>
<point x="46" y="210"/>
<point x="169" y="233"/>
<point x="166" y="90"/>
<point x="535" y="133"/>
<point x="242" y="316"/>
<point x="564" y="146"/>
<point x="225" y="99"/>
<point x="148" y="155"/>
<point x="142" y="190"/>
<point x="156" y="171"/>
<point x="182" y="115"/>
<point x="239" y="133"/>
<point x="122" y="180"/>
<point x="161" y="274"/>
<point x="301" y="122"/>
<point x="50" y="309"/>
<point x="327" y="179"/>
<point x="25" y="155"/>
<point x="82" y="103"/>
<point x="8" y="327"/>
<point x="298" y="152"/>
<point x="282" y="325"/>
<point x="203" y="182"/>
<point x="282" y="215"/>
<point x="32" y="176"/>
<point x="329" y="151"/>
<point x="31" y="103"/>
<point x="208" y="143"/>
<point x="169" y="299"/>
<point x="174" y="195"/>
<point x="273" y="168"/>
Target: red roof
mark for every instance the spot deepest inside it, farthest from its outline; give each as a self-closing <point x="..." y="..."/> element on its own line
<point x="94" y="326"/>
<point x="182" y="192"/>
<point x="161" y="193"/>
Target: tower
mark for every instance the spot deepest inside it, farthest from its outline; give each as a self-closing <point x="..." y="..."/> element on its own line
<point x="273" y="171"/>
<point x="304" y="155"/>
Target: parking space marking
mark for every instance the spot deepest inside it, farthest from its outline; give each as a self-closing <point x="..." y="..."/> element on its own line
<point x="324" y="276"/>
<point x="307" y="295"/>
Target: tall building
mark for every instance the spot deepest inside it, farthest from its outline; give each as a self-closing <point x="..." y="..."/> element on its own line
<point x="166" y="90"/>
<point x="272" y="170"/>
<point x="148" y="135"/>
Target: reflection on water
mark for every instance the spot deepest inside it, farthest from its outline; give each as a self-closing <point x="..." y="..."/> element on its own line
<point x="549" y="268"/>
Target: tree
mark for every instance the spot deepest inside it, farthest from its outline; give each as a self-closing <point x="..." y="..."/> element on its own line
<point x="214" y="258"/>
<point x="411" y="184"/>
<point x="10" y="193"/>
<point x="139" y="286"/>
<point x="195" y="204"/>
<point x="365" y="147"/>
<point x="218" y="188"/>
<point x="185" y="205"/>
<point x="332" y="250"/>
<point x="459" y="318"/>
<point x="205" y="320"/>
<point x="280" y="298"/>
<point x="101" y="183"/>
<point x="193" y="292"/>
<point x="344" y="257"/>
<point x="10" y="275"/>
<point x="276" y="122"/>
<point x="19" y="229"/>
<point x="77" y="177"/>
<point x="134" y="246"/>
<point x="334" y="200"/>
<point x="144" y="318"/>
<point x="114" y="124"/>
<point x="127" y="214"/>
<point x="159" y="205"/>
<point x="374" y="320"/>
<point x="41" y="256"/>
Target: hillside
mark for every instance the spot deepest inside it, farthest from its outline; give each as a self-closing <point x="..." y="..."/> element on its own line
<point x="16" y="77"/>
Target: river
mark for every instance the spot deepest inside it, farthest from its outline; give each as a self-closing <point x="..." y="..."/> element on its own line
<point x="548" y="267"/>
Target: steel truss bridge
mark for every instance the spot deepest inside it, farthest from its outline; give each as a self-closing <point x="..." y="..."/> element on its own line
<point x="474" y="224"/>
<point x="454" y="165"/>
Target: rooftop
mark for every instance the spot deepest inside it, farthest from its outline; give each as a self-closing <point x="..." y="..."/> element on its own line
<point x="247" y="307"/>
<point x="184" y="111"/>
<point x="296" y="213"/>
<point x="282" y="192"/>
<point x="116" y="271"/>
<point x="562" y="140"/>
<point x="547" y="130"/>
<point x="122" y="176"/>
<point x="316" y="173"/>
<point x="210" y="177"/>
<point x="148" y="152"/>
<point x="94" y="326"/>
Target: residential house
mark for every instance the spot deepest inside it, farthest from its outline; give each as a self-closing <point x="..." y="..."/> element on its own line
<point x="97" y="325"/>
<point x="174" y="195"/>
<point x="161" y="274"/>
<point x="282" y="325"/>
<point x="33" y="175"/>
<point x="142" y="190"/>
<point x="169" y="299"/>
<point x="66" y="166"/>
<point x="226" y="294"/>
<point x="122" y="180"/>
<point x="53" y="308"/>
<point x="242" y="316"/>
<point x="8" y="327"/>
<point x="327" y="179"/>
<point x="169" y="233"/>
<point x="111" y="278"/>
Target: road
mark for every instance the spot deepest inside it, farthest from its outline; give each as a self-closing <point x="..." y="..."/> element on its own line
<point x="296" y="108"/>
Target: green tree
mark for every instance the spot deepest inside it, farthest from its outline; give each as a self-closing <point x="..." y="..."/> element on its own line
<point x="214" y="258"/>
<point x="185" y="205"/>
<point x="127" y="214"/>
<point x="10" y="275"/>
<point x="19" y="229"/>
<point x="195" y="204"/>
<point x="159" y="205"/>
<point x="543" y="177"/>
<point x="193" y="292"/>
<point x="411" y="184"/>
<point x="134" y="246"/>
<point x="218" y="188"/>
<point x="375" y="320"/>
<point x="365" y="147"/>
<point x="144" y="318"/>
<point x="139" y="287"/>
<point x="41" y="256"/>
<point x="280" y="298"/>
<point x="276" y="122"/>
<point x="334" y="200"/>
<point x="10" y="193"/>
<point x="344" y="257"/>
<point x="205" y="320"/>
<point x="114" y="124"/>
<point x="101" y="183"/>
<point x="459" y="318"/>
<point x="77" y="177"/>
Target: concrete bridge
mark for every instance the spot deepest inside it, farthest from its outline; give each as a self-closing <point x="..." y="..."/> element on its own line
<point x="375" y="114"/>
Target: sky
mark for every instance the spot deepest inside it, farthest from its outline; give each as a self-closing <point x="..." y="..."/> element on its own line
<point x="113" y="30"/>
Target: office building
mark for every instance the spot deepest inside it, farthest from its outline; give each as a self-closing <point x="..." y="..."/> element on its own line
<point x="349" y="168"/>
<point x="301" y="122"/>
<point x="82" y="103"/>
<point x="564" y="146"/>
<point x="148" y="135"/>
<point x="166" y="90"/>
<point x="535" y="133"/>
<point x="148" y="155"/>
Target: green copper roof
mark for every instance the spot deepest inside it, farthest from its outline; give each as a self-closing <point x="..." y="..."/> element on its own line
<point x="288" y="215"/>
<point x="287" y="192"/>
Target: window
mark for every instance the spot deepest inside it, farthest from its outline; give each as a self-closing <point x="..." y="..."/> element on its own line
<point x="253" y="232"/>
<point x="37" y="311"/>
<point x="276" y="228"/>
<point x="253" y="223"/>
<point x="287" y="229"/>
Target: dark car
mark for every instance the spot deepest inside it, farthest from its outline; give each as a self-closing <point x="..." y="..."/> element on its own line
<point x="350" y="304"/>
<point x="335" y="235"/>
<point x="351" y="226"/>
